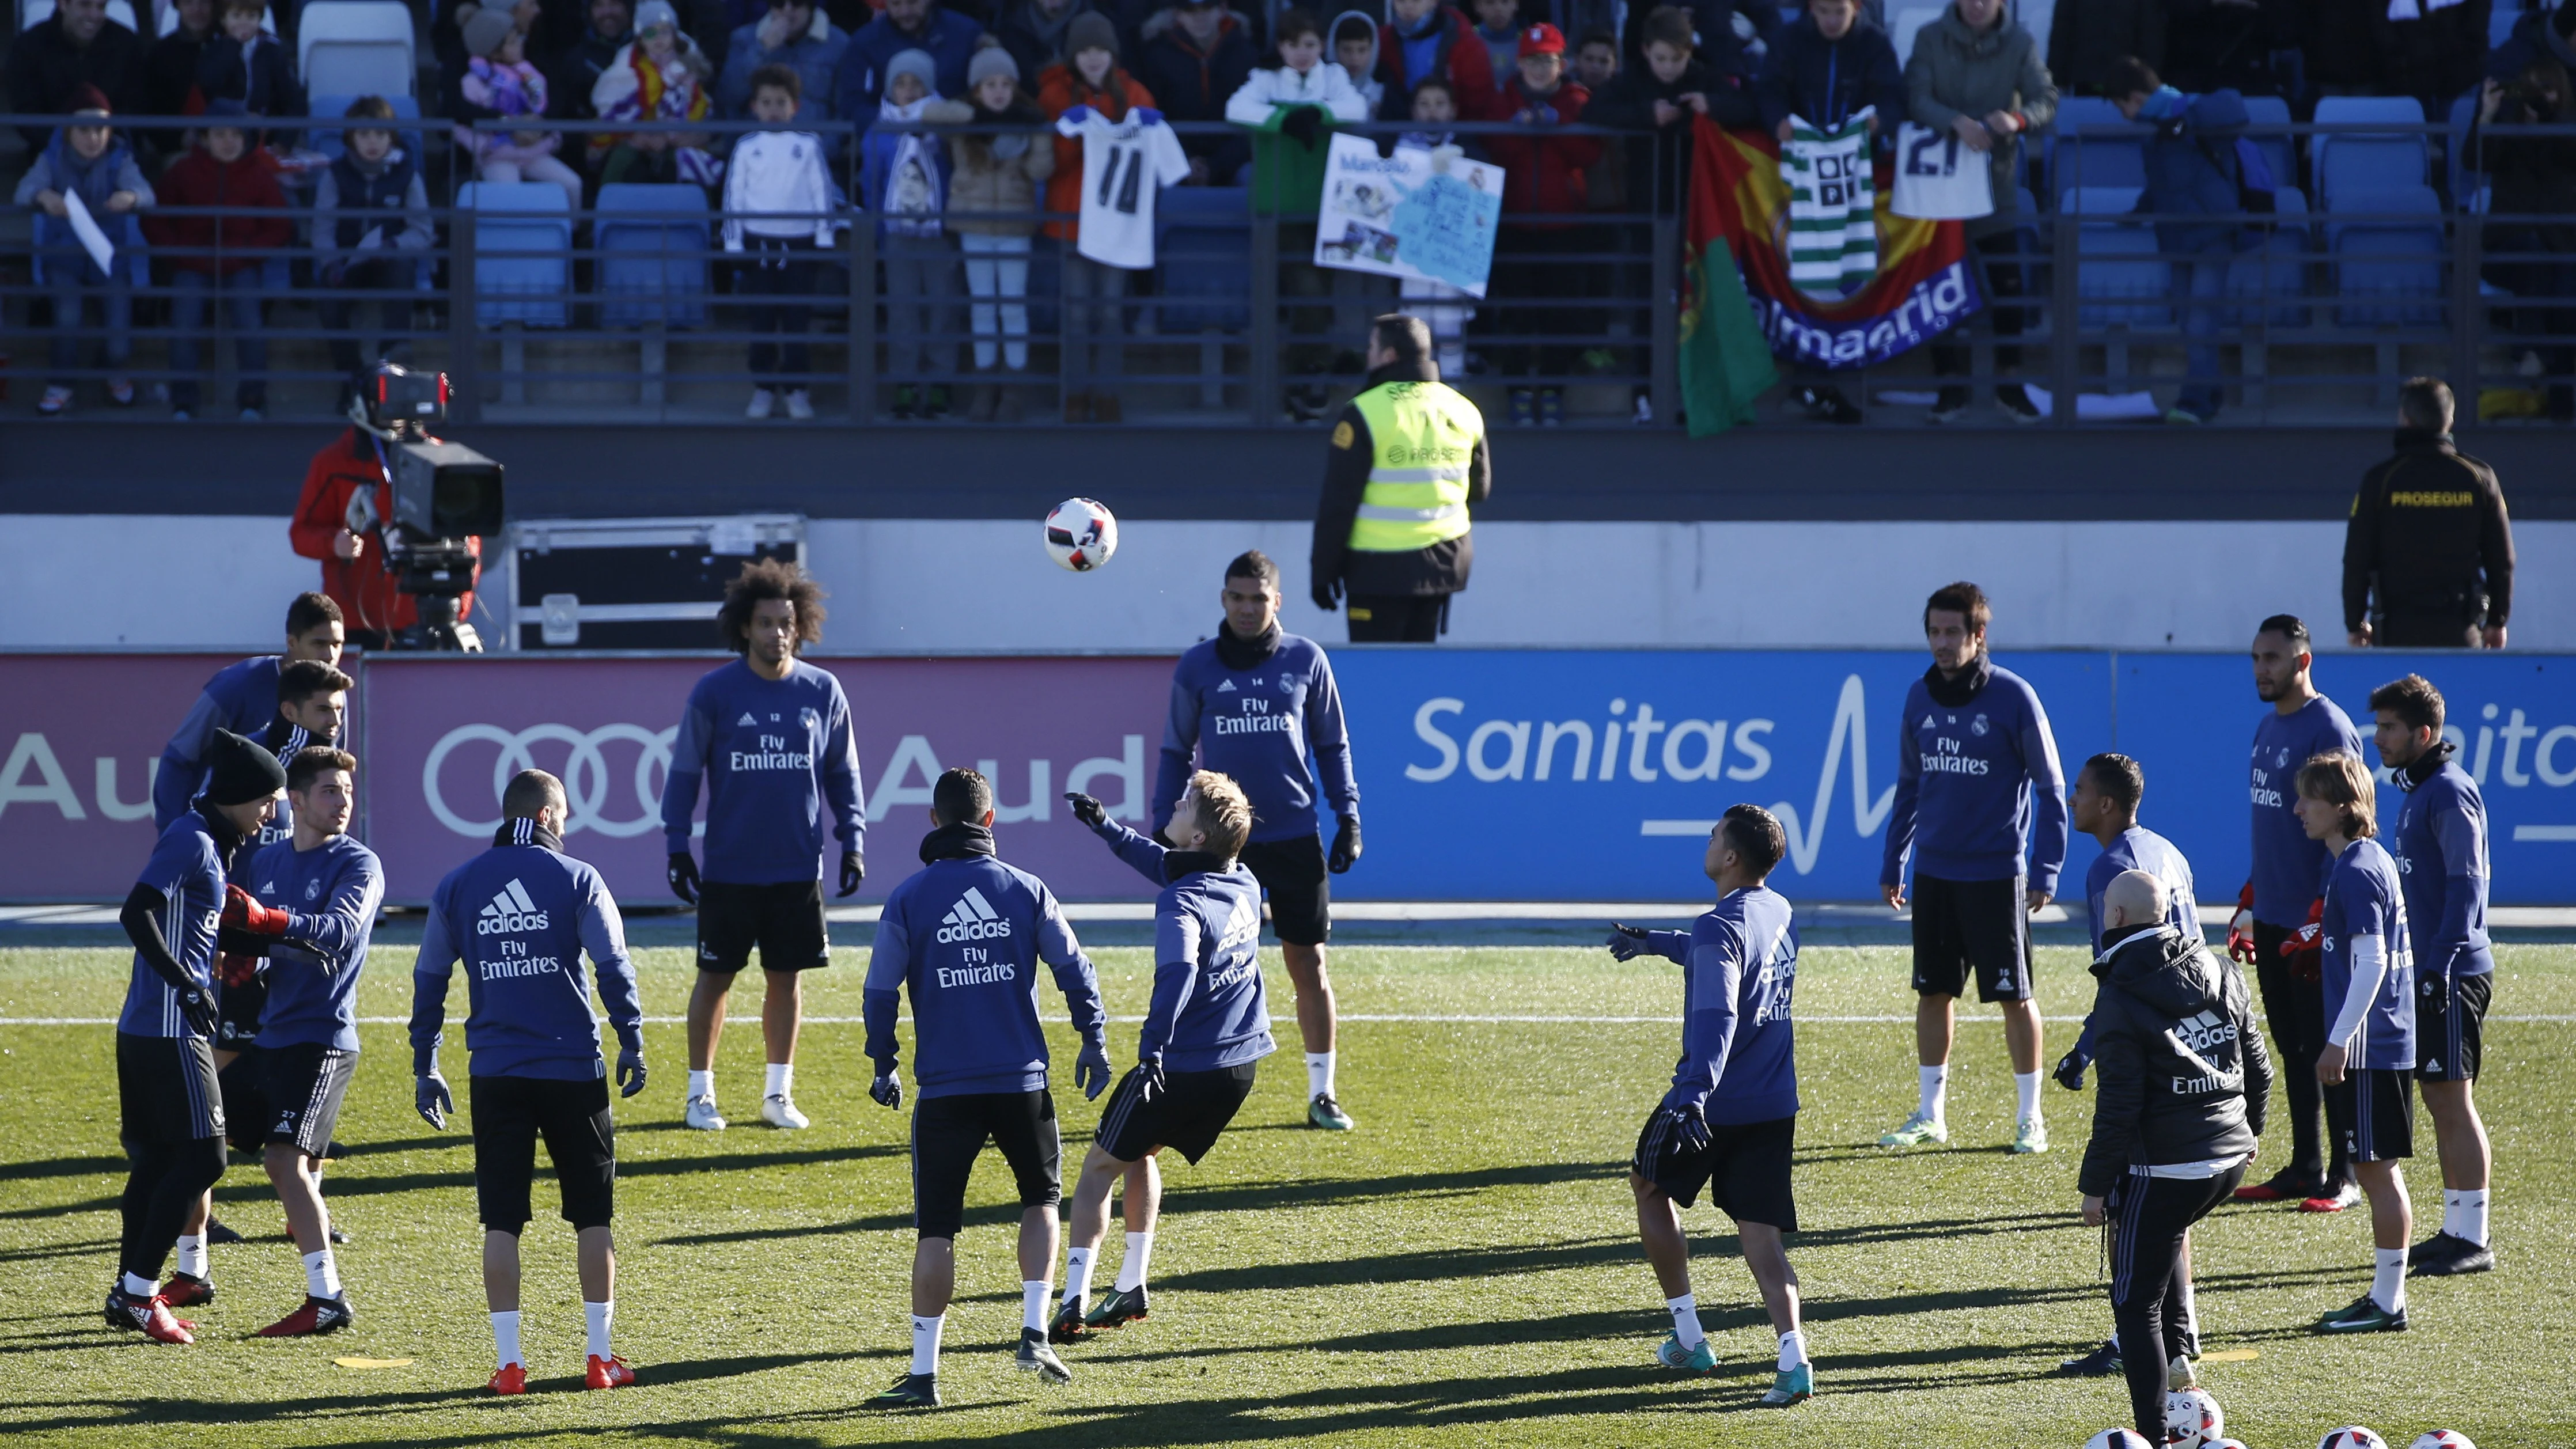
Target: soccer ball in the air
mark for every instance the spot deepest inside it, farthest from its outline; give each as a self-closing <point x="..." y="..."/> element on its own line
<point x="2192" y="1420"/>
<point x="2352" y="1436"/>
<point x="2118" y="1439"/>
<point x="1081" y="533"/>
<point x="2443" y="1439"/>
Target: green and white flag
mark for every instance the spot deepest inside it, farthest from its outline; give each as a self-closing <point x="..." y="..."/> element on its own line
<point x="1833" y="216"/>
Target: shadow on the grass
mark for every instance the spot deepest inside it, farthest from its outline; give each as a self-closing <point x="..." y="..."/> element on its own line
<point x="60" y="1167"/>
<point x="100" y="1246"/>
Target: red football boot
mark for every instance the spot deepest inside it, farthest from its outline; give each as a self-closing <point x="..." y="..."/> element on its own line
<point x="2337" y="1197"/>
<point x="147" y="1316"/>
<point x="187" y="1290"/>
<point x="318" y="1315"/>
<point x="607" y="1373"/>
<point x="510" y="1381"/>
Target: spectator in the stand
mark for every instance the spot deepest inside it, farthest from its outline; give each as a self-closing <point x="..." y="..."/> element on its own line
<point x="1541" y="176"/>
<point x="947" y="37"/>
<point x="1289" y="108"/>
<point x="1095" y="312"/>
<point x="1825" y="69"/>
<point x="2189" y="174"/>
<point x="222" y="254"/>
<point x="447" y="42"/>
<point x="903" y="179"/>
<point x="778" y="203"/>
<point x="1445" y="309"/>
<point x="992" y="198"/>
<point x="2433" y="53"/>
<point x="1355" y="51"/>
<point x="2087" y="38"/>
<point x="1498" y="29"/>
<point x="1976" y="73"/>
<point x="660" y="76"/>
<point x="793" y="34"/>
<point x="2539" y="34"/>
<point x="249" y="65"/>
<point x="170" y="71"/>
<point x="1426" y="40"/>
<point x="371" y="230"/>
<point x="1596" y="60"/>
<point x="86" y="160"/>
<point x="2533" y="176"/>
<point x="1732" y="35"/>
<point x="500" y="84"/>
<point x="2237" y="45"/>
<point x="1195" y="55"/>
<point x="1675" y="86"/>
<point x="1035" y="31"/>
<point x="75" y="46"/>
<point x="611" y="27"/>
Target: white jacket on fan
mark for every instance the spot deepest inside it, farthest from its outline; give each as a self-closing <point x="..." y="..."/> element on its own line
<point x="775" y="187"/>
<point x="1326" y="85"/>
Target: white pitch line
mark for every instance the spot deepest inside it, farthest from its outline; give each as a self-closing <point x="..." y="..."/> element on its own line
<point x="1423" y="1019"/>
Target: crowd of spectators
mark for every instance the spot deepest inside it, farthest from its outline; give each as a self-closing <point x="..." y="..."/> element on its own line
<point x="966" y="191"/>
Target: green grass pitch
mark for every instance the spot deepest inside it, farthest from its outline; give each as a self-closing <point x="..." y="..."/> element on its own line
<point x="1462" y="1270"/>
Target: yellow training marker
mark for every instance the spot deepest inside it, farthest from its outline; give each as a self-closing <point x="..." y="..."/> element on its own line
<point x="373" y="1363"/>
<point x="2233" y="1355"/>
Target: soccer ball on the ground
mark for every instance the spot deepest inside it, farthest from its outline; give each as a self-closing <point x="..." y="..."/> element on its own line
<point x="1081" y="533"/>
<point x="2118" y="1439"/>
<point x="2192" y="1419"/>
<point x="2443" y="1439"/>
<point x="2352" y="1436"/>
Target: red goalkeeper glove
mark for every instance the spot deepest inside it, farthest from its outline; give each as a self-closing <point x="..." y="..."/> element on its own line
<point x="243" y="912"/>
<point x="2305" y="950"/>
<point x="2240" y="928"/>
<point x="237" y="969"/>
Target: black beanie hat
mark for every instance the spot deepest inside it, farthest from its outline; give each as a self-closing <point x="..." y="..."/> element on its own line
<point x="240" y="771"/>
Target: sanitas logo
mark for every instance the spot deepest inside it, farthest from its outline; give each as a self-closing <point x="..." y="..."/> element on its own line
<point x="972" y="919"/>
<point x="510" y="913"/>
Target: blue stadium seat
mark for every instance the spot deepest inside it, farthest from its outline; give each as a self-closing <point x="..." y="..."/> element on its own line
<point x="2119" y="278"/>
<point x="522" y="252"/>
<point x="330" y="121"/>
<point x="2280" y="151"/>
<point x="2500" y="22"/>
<point x="356" y="47"/>
<point x="1203" y="258"/>
<point x="2465" y="184"/>
<point x="2362" y="162"/>
<point x="652" y="243"/>
<point x="2389" y="255"/>
<point x="2276" y="272"/>
<point x="2099" y="160"/>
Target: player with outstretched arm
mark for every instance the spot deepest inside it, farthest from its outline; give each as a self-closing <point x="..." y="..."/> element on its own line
<point x="241" y="698"/>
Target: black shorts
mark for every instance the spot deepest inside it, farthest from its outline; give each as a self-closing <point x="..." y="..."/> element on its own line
<point x="509" y="1115"/>
<point x="166" y="1090"/>
<point x="246" y="1100"/>
<point x="237" y="1013"/>
<point x="1745" y="1168"/>
<point x="2451" y="1043"/>
<point x="1292" y="874"/>
<point x="305" y="1082"/>
<point x="1187" y="1115"/>
<point x="1972" y="925"/>
<point x="784" y="921"/>
<point x="2372" y="1112"/>
<point x="948" y="1134"/>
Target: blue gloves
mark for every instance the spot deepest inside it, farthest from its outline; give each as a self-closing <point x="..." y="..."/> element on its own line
<point x="2070" y="1070"/>
<point x="853" y="871"/>
<point x="630" y="1071"/>
<point x="1091" y="1070"/>
<point x="431" y="1098"/>
<point x="1627" y="943"/>
<point x="887" y="1089"/>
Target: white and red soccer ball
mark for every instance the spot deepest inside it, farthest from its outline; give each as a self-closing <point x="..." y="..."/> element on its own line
<point x="2352" y="1436"/>
<point x="2192" y="1420"/>
<point x="2118" y="1439"/>
<point x="2443" y="1439"/>
<point x="1081" y="534"/>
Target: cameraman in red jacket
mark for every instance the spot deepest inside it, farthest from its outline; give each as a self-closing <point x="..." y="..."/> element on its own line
<point x="339" y="519"/>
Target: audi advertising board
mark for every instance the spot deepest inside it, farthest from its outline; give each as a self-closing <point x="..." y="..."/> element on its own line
<point x="1484" y="774"/>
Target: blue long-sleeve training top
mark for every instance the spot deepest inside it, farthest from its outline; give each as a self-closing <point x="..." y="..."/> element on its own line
<point x="2289" y="868"/>
<point x="241" y="698"/>
<point x="331" y="895"/>
<point x="1978" y="787"/>
<point x="2441" y="851"/>
<point x="2365" y="932"/>
<point x="187" y="871"/>
<point x="2137" y="848"/>
<point x="964" y="936"/>
<point x="1739" y="1060"/>
<point x="520" y="916"/>
<point x="1258" y="724"/>
<point x="781" y="770"/>
<point x="1209" y="1010"/>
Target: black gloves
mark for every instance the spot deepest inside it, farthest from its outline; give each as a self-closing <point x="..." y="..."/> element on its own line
<point x="2070" y="1071"/>
<point x="683" y="875"/>
<point x="1149" y="1080"/>
<point x="431" y="1097"/>
<point x="1346" y="846"/>
<point x="887" y="1089"/>
<point x="1303" y="124"/>
<point x="1091" y="1069"/>
<point x="853" y="871"/>
<point x="198" y="1010"/>
<point x="1087" y="810"/>
<point x="2436" y="991"/>
<point x="1327" y="594"/>
<point x="630" y="1071"/>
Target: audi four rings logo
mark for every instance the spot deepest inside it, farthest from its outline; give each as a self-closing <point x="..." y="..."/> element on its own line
<point x="588" y="774"/>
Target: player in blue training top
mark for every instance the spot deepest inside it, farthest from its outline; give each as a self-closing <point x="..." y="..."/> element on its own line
<point x="241" y="698"/>
<point x="171" y="1111"/>
<point x="2441" y="852"/>
<point x="1254" y="703"/>
<point x="965" y="937"/>
<point x="2367" y="1064"/>
<point x="770" y="735"/>
<point x="1730" y="1120"/>
<point x="1207" y="1029"/>
<point x="520" y="916"/>
<point x="2279" y="901"/>
<point x="1980" y="807"/>
<point x="311" y="911"/>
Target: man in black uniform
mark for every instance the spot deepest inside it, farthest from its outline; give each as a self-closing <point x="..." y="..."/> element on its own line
<point x="1408" y="460"/>
<point x="2429" y="548"/>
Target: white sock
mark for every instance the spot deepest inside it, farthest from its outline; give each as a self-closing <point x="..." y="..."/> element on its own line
<point x="139" y="1287"/>
<point x="1033" y="1304"/>
<point x="321" y="1275"/>
<point x="782" y="1078"/>
<point x="703" y="1084"/>
<point x="2388" y="1284"/>
<point x="2473" y="1215"/>
<point x="1131" y="1269"/>
<point x="1319" y="1074"/>
<point x="1793" y="1350"/>
<point x="192" y="1256"/>
<point x="1685" y="1311"/>
<point x="598" y="1315"/>
<point x="1077" y="1273"/>
<point x="505" y="1338"/>
<point x="2026" y="1087"/>
<point x="925" y="1343"/>
<point x="1936" y="1092"/>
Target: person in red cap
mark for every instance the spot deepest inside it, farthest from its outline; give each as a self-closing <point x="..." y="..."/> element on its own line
<point x="86" y="165"/>
<point x="1541" y="176"/>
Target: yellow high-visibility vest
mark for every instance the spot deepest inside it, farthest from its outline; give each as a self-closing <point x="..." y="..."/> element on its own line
<point x="1425" y="434"/>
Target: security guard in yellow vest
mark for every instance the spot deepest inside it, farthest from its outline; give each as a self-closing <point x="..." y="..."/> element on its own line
<point x="1408" y="458"/>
